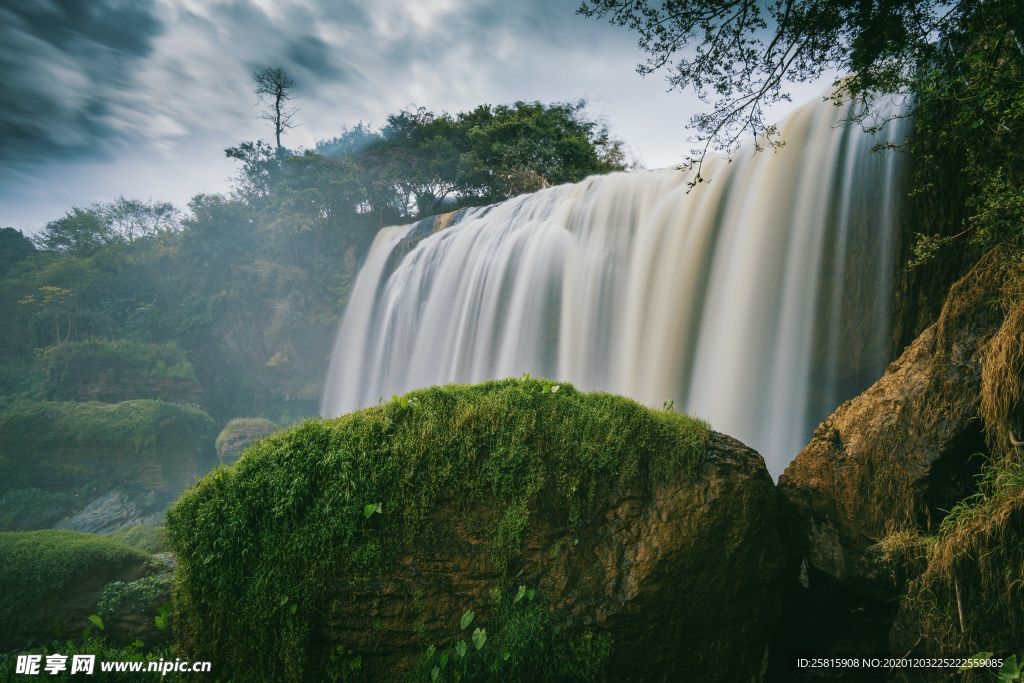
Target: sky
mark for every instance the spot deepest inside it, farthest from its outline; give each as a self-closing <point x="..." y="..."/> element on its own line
<point x="139" y="98"/>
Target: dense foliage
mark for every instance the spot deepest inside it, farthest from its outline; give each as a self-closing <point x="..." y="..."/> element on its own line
<point x="332" y="500"/>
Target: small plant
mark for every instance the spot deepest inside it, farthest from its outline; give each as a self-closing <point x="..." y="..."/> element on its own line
<point x="368" y="510"/>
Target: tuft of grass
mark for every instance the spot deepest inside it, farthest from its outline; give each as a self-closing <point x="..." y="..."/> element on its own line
<point x="35" y="566"/>
<point x="279" y="526"/>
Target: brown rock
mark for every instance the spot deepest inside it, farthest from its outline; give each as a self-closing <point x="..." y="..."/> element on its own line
<point x="687" y="581"/>
<point x="902" y="452"/>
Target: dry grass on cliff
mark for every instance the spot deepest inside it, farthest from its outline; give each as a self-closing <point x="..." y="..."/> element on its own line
<point x="1002" y="399"/>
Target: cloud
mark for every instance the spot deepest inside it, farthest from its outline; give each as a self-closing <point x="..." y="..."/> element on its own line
<point x="65" y="66"/>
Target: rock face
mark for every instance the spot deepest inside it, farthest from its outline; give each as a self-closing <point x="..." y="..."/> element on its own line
<point x="113" y="510"/>
<point x="901" y="452"/>
<point x="687" y="581"/>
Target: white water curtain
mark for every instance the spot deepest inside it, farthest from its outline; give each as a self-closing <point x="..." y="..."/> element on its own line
<point x="758" y="300"/>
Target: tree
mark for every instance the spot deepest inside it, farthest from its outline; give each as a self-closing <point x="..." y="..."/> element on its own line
<point x="274" y="88"/>
<point x="80" y="232"/>
<point x="738" y="54"/>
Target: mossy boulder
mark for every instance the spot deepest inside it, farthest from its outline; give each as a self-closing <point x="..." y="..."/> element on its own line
<point x="238" y="434"/>
<point x="147" y="446"/>
<point x="588" y="535"/>
<point x="54" y="577"/>
<point x="119" y="370"/>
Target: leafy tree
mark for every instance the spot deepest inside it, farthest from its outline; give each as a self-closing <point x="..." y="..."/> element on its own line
<point x="80" y="232"/>
<point x="739" y="54"/>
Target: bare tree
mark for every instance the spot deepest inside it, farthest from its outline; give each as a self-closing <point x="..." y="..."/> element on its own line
<point x="274" y="88"/>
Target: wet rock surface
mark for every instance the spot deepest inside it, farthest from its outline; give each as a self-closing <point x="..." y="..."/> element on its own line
<point x="901" y="453"/>
<point x="688" y="579"/>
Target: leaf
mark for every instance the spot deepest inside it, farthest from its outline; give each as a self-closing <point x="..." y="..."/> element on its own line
<point x="460" y="648"/>
<point x="555" y="388"/>
<point x="208" y="559"/>
<point x="414" y="403"/>
<point x="405" y="402"/>
<point x="520" y="593"/>
<point x="443" y="659"/>
<point x="520" y="572"/>
<point x="479" y="637"/>
<point x="86" y="633"/>
<point x="295" y="607"/>
<point x="161" y="622"/>
<point x="164" y="609"/>
<point x="1010" y="670"/>
<point x="506" y="656"/>
<point x="434" y="673"/>
<point x="96" y="620"/>
<point x="467" y="619"/>
<point x="138" y="643"/>
<point x="575" y="541"/>
<point x="380" y="508"/>
<point x="368" y="510"/>
<point x="60" y="629"/>
<point x="430" y="651"/>
<point x="530" y="593"/>
<point x="980" y="655"/>
<point x="284" y="601"/>
<point x="547" y="388"/>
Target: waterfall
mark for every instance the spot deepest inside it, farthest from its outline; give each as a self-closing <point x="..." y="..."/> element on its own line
<point x="758" y="300"/>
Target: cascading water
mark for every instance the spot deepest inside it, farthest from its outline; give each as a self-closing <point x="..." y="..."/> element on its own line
<point x="757" y="301"/>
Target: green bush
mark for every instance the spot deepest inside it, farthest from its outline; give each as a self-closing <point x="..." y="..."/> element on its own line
<point x="138" y="596"/>
<point x="330" y="499"/>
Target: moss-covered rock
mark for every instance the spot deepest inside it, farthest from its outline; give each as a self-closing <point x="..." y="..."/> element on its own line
<point x="56" y="577"/>
<point x="115" y="371"/>
<point x="149" y="446"/>
<point x="589" y="535"/>
<point x="238" y="434"/>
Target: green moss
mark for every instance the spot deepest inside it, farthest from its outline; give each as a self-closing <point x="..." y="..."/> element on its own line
<point x="145" y="537"/>
<point x="89" y="359"/>
<point x="64" y="445"/>
<point x="35" y="566"/>
<point x="290" y="517"/>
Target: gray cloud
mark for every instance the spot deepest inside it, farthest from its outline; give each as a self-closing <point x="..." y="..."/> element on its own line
<point x="65" y="65"/>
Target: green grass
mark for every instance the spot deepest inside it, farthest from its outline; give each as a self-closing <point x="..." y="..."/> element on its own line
<point x="145" y="537"/>
<point x="274" y="529"/>
<point x="37" y="565"/>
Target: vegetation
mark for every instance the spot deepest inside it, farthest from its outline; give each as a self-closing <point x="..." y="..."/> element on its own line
<point x="249" y="288"/>
<point x="35" y="566"/>
<point x="238" y="434"/>
<point x="141" y="596"/>
<point x="333" y="499"/>
<point x="64" y="445"/>
<point x="524" y="645"/>
<point x="145" y="537"/>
